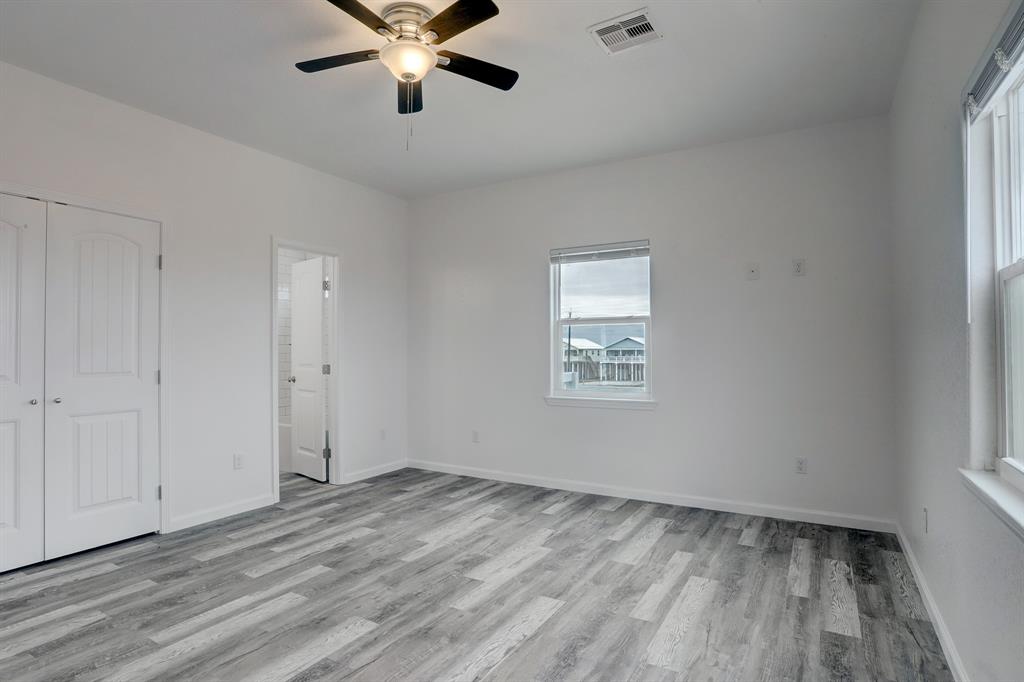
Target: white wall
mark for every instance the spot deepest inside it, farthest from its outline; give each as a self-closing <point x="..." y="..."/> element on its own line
<point x="221" y="203"/>
<point x="973" y="565"/>
<point x="748" y="375"/>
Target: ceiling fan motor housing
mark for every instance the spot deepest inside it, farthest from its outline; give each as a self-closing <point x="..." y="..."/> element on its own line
<point x="406" y="18"/>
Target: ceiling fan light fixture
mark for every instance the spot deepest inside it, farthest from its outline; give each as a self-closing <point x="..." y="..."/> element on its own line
<point x="409" y="60"/>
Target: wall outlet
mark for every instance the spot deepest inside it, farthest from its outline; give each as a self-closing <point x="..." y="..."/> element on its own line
<point x="799" y="267"/>
<point x="753" y="271"/>
<point x="801" y="465"/>
<point x="237" y="461"/>
<point x="474" y="436"/>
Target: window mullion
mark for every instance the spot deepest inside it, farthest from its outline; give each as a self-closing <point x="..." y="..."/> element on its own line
<point x="637" y="319"/>
<point x="1014" y="180"/>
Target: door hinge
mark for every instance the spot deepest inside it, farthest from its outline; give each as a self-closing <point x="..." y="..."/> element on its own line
<point x="327" y="285"/>
<point x="327" y="456"/>
<point x="160" y="262"/>
<point x="325" y="369"/>
<point x="158" y="377"/>
<point x="159" y="492"/>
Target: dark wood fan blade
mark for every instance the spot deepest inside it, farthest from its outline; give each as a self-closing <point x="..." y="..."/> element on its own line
<point x="314" y="65"/>
<point x="364" y="15"/>
<point x="459" y="16"/>
<point x="484" y="72"/>
<point x="410" y="99"/>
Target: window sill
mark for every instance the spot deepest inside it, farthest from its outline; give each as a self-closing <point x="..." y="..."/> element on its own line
<point x="608" y="403"/>
<point x="1006" y="501"/>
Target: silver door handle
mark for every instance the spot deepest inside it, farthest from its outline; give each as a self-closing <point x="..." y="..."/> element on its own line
<point x="33" y="402"/>
<point x="58" y="400"/>
<point x="291" y="380"/>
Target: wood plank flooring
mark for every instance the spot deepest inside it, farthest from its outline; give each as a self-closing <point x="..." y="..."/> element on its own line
<point x="423" y="576"/>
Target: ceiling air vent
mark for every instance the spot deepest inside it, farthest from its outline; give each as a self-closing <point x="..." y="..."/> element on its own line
<point x="625" y="32"/>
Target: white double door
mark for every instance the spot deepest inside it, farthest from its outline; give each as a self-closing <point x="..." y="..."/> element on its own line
<point x="79" y="353"/>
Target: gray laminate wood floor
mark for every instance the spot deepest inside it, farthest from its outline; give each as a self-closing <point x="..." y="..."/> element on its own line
<point x="424" y="576"/>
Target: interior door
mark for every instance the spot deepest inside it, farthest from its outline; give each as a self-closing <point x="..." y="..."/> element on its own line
<point x="308" y="404"/>
<point x="22" y="268"/>
<point x="102" y="356"/>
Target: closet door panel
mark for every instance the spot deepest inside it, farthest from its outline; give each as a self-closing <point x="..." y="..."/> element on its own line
<point x="101" y="363"/>
<point x="22" y="286"/>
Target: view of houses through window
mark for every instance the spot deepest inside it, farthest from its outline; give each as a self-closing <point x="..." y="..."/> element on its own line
<point x="605" y="355"/>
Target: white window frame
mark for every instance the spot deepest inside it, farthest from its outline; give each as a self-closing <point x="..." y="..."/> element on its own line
<point x="1010" y="464"/>
<point x="1008" y="188"/>
<point x="557" y="395"/>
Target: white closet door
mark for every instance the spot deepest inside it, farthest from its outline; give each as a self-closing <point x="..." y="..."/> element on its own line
<point x="102" y="326"/>
<point x="307" y="298"/>
<point x="22" y="269"/>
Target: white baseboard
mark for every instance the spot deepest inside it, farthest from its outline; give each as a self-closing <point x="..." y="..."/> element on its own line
<point x="956" y="664"/>
<point x="215" y="513"/>
<point x="362" y="474"/>
<point x="717" y="504"/>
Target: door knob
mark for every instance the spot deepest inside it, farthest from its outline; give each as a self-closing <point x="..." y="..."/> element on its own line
<point x="291" y="380"/>
<point x="58" y="400"/>
<point x="33" y="402"/>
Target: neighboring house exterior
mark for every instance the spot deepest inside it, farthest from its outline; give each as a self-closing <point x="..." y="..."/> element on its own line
<point x="631" y="346"/>
<point x="621" y="363"/>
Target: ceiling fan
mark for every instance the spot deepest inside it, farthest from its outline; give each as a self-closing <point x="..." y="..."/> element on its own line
<point x="411" y="31"/>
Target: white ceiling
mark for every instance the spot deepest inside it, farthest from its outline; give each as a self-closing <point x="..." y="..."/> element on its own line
<point x="725" y="70"/>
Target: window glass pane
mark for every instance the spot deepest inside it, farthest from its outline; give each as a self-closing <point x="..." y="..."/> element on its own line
<point x="604" y="358"/>
<point x="606" y="288"/>
<point x="1013" y="300"/>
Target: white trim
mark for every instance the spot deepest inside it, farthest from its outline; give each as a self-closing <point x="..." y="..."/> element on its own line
<point x="1012" y="471"/>
<point x="363" y="474"/>
<point x="999" y="495"/>
<point x="92" y="203"/>
<point x="601" y="403"/>
<point x="714" y="503"/>
<point x="163" y="350"/>
<point x="216" y="513"/>
<point x="1004" y="386"/>
<point x="333" y="386"/>
<point x="956" y="664"/>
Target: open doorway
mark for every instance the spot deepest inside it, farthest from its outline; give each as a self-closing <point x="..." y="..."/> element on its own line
<point x="305" y="348"/>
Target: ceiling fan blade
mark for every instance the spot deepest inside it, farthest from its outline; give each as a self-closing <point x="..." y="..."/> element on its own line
<point x="458" y="17"/>
<point x="484" y="72"/>
<point x="410" y="97"/>
<point x="364" y="15"/>
<point x="314" y="65"/>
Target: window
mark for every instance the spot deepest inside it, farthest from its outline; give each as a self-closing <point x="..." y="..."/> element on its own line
<point x="994" y="212"/>
<point x="1006" y="119"/>
<point x="601" y="322"/>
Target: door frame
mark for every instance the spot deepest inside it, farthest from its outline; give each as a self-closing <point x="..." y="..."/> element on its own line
<point x="333" y="392"/>
<point x="163" y="353"/>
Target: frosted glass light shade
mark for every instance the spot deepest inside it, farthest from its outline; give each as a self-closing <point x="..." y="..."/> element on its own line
<point x="408" y="60"/>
